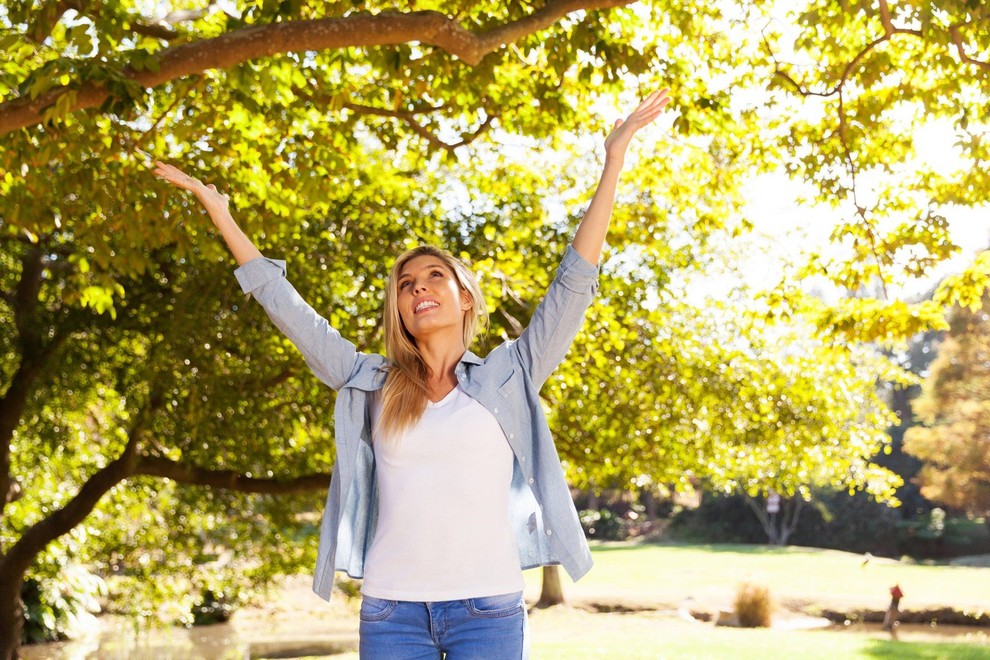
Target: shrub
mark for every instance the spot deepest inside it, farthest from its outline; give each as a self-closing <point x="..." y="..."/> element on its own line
<point x="57" y="609"/>
<point x="602" y="524"/>
<point x="754" y="607"/>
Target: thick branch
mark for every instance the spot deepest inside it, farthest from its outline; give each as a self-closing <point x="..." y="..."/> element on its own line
<point x="155" y="31"/>
<point x="26" y="293"/>
<point x="359" y="30"/>
<point x="35" y="355"/>
<point x="184" y="473"/>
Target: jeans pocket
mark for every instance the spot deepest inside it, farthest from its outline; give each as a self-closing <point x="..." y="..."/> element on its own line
<point x="376" y="609"/>
<point x="495" y="607"/>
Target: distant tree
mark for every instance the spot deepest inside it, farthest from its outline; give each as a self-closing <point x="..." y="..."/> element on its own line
<point x="954" y="408"/>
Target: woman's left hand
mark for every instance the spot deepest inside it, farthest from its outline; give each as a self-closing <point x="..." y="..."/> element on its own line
<point x="623" y="130"/>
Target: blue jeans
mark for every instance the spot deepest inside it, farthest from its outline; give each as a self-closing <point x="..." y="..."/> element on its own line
<point x="488" y="628"/>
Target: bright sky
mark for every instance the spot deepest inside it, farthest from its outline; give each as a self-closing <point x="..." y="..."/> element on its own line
<point x="786" y="230"/>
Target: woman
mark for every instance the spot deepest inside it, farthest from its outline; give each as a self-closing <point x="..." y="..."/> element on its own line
<point x="446" y="483"/>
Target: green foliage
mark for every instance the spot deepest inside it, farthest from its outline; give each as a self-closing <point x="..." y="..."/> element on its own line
<point x="601" y="524"/>
<point x="835" y="520"/>
<point x="58" y="606"/>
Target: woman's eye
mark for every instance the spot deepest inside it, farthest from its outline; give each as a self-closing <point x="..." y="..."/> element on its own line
<point x="403" y="285"/>
<point x="437" y="273"/>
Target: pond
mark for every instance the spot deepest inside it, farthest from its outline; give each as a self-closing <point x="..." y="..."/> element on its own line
<point x="220" y="641"/>
<point x="920" y="632"/>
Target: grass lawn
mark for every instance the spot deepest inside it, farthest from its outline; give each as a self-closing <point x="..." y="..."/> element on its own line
<point x="664" y="576"/>
<point x="577" y="635"/>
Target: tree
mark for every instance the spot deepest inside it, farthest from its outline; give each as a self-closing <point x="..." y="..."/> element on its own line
<point x="953" y="440"/>
<point x="345" y="135"/>
<point x="119" y="358"/>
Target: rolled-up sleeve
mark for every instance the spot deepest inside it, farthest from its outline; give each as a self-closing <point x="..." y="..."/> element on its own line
<point x="557" y="319"/>
<point x="259" y="272"/>
<point x="331" y="357"/>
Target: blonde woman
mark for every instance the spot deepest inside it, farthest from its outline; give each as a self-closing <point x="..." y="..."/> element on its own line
<point x="446" y="483"/>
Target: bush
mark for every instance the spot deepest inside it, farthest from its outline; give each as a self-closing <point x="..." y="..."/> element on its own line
<point x="833" y="520"/>
<point x="939" y="536"/>
<point x="602" y="524"/>
<point x="211" y="608"/>
<point x="57" y="609"/>
<point x="754" y="607"/>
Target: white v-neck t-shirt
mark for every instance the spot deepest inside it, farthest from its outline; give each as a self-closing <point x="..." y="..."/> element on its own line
<point x="443" y="530"/>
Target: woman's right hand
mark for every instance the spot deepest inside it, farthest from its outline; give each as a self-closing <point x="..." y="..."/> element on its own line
<point x="208" y="195"/>
<point x="217" y="205"/>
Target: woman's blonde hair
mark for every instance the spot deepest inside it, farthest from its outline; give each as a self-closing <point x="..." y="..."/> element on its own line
<point x="404" y="396"/>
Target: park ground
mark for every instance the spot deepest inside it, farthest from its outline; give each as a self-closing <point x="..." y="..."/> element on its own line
<point x="639" y="601"/>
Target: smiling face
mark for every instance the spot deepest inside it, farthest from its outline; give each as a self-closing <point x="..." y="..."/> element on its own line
<point x="429" y="290"/>
<point x="429" y="298"/>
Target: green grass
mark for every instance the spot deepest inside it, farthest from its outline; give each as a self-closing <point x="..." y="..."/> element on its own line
<point x="665" y="575"/>
<point x="577" y="635"/>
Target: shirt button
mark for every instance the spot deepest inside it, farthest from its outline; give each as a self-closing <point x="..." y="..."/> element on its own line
<point x="549" y="532"/>
<point x="495" y="411"/>
<point x="531" y="480"/>
<point x="512" y="437"/>
<point x="522" y="458"/>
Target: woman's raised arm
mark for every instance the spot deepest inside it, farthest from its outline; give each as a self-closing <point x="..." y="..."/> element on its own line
<point x="217" y="205"/>
<point x="331" y="357"/>
<point x="590" y="236"/>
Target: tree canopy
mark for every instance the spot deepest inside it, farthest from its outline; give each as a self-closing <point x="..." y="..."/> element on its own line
<point x="953" y="440"/>
<point x="146" y="403"/>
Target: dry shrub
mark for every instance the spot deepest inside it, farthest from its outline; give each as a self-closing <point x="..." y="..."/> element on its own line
<point x="754" y="607"/>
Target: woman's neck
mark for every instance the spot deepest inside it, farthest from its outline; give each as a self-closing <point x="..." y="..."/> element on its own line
<point x="441" y="359"/>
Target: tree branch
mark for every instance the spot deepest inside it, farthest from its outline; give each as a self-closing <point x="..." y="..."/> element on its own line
<point x="961" y="49"/>
<point x="48" y="17"/>
<point x="358" y="30"/>
<point x="17" y="560"/>
<point x="889" y="30"/>
<point x="419" y="129"/>
<point x="184" y="473"/>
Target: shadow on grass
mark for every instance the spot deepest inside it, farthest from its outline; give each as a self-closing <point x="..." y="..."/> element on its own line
<point x="892" y="650"/>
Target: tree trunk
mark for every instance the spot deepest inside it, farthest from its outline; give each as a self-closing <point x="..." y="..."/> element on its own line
<point x="11" y="616"/>
<point x="592" y="499"/>
<point x="649" y="501"/>
<point x="553" y="593"/>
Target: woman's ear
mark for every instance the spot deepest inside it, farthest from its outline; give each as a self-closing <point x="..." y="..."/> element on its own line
<point x="466" y="301"/>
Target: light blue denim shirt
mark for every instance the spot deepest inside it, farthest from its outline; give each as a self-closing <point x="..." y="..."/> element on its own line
<point x="507" y="382"/>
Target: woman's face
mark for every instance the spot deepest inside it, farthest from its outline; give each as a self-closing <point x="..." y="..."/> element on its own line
<point x="429" y="298"/>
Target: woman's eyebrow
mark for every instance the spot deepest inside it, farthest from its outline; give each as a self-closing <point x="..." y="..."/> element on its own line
<point x="406" y="274"/>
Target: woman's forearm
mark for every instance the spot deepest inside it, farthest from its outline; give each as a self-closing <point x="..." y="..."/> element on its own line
<point x="240" y="245"/>
<point x="590" y="236"/>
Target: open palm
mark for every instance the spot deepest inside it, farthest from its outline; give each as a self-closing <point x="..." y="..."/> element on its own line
<point x="208" y="195"/>
<point x="623" y="130"/>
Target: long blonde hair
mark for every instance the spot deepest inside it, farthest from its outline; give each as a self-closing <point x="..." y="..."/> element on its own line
<point x="405" y="393"/>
